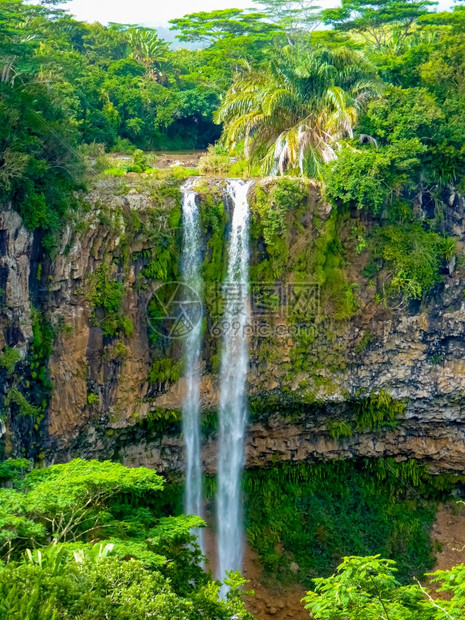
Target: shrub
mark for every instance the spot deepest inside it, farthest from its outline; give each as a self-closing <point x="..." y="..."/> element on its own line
<point x="215" y="164"/>
<point x="367" y="587"/>
<point x="123" y="145"/>
<point x="412" y="255"/>
<point x="139" y="162"/>
<point x="93" y="399"/>
<point x="105" y="294"/>
<point x="9" y="358"/>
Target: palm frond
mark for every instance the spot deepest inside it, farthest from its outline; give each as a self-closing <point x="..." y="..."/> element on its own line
<point x="300" y="108"/>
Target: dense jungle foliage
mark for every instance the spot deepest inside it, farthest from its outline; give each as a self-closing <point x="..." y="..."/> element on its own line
<point x="91" y="539"/>
<point x="367" y="101"/>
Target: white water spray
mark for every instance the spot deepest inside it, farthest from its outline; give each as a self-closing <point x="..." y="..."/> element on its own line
<point x="191" y="266"/>
<point x="233" y="408"/>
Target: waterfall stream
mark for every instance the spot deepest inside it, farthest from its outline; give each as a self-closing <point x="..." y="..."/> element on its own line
<point x="234" y="361"/>
<point x="191" y="267"/>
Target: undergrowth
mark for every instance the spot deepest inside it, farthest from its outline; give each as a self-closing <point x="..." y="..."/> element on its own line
<point x="313" y="515"/>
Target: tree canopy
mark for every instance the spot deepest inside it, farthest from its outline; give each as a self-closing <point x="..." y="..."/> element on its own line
<point x="367" y="588"/>
<point x="375" y="19"/>
<point x="90" y="539"/>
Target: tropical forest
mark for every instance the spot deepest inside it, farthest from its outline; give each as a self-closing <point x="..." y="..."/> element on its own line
<point x="232" y="310"/>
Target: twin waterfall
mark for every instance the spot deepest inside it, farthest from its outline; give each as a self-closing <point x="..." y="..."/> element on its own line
<point x="234" y="360"/>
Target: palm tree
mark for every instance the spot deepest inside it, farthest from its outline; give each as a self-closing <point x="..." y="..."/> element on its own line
<point x="148" y="49"/>
<point x="293" y="115"/>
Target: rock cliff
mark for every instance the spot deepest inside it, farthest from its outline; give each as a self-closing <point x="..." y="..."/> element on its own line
<point x="106" y="400"/>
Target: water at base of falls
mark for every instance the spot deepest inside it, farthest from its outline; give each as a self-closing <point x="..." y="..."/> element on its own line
<point x="191" y="266"/>
<point x="233" y="408"/>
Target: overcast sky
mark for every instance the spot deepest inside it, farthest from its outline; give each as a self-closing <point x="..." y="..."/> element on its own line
<point x="150" y="12"/>
<point x="156" y="12"/>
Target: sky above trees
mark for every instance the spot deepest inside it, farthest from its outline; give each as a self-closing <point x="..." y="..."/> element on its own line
<point x="152" y="12"/>
<point x="157" y="12"/>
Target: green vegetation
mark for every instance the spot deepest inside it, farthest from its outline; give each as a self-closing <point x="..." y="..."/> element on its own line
<point x="374" y="107"/>
<point x="277" y="209"/>
<point x="160" y="421"/>
<point x="367" y="587"/>
<point x="90" y="540"/>
<point x="412" y="256"/>
<point x="292" y="114"/>
<point x="376" y="412"/>
<point x="93" y="399"/>
<point x="272" y="206"/>
<point x="315" y="514"/>
<point x="105" y="295"/>
<point x="38" y="124"/>
<point x="362" y="124"/>
<point x="166" y="370"/>
<point x="213" y="219"/>
<point x="378" y="21"/>
<point x="8" y="359"/>
<point x="41" y="349"/>
<point x="28" y="387"/>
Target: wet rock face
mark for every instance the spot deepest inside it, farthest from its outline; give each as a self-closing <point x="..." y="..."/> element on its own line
<point x="101" y="402"/>
<point x="15" y="270"/>
<point x="82" y="362"/>
<point x="417" y="358"/>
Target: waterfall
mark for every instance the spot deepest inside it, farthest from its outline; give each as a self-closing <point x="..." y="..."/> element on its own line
<point x="233" y="409"/>
<point x="191" y="266"/>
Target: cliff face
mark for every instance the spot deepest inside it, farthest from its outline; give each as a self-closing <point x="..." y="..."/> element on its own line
<point x="82" y="362"/>
<point x="105" y="402"/>
<point x="418" y="359"/>
<point x="15" y="268"/>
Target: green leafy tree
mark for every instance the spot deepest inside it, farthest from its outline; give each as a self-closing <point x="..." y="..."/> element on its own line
<point x="232" y="40"/>
<point x="409" y="145"/>
<point x="375" y="19"/>
<point x="38" y="170"/>
<point x="454" y="19"/>
<point x="296" y="17"/>
<point x="149" y="49"/>
<point x="365" y="588"/>
<point x="90" y="539"/>
<point x="225" y="23"/>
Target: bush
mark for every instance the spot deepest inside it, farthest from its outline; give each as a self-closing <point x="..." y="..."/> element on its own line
<point x="139" y="162"/>
<point x="123" y="145"/>
<point x="105" y="295"/>
<point x="369" y="178"/>
<point x="284" y="195"/>
<point x="367" y="587"/>
<point x="115" y="172"/>
<point x="93" y="399"/>
<point x="412" y="255"/>
<point x="215" y="164"/>
<point x="92" y="150"/>
<point x="9" y="358"/>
